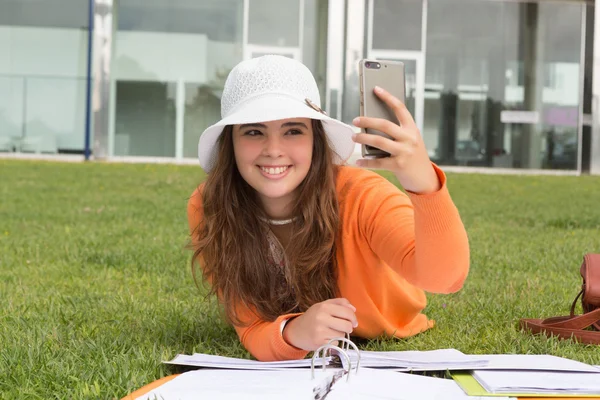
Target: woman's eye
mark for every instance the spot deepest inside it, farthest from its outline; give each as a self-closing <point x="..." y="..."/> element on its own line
<point x="295" y="132"/>
<point x="253" y="132"/>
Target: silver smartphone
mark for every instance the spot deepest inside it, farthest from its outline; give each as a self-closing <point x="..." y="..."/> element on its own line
<point x="388" y="75"/>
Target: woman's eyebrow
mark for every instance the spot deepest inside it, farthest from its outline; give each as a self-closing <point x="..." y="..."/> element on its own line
<point x="288" y="124"/>
<point x="244" y="126"/>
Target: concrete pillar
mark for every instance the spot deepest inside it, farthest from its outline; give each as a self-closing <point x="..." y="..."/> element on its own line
<point x="533" y="66"/>
<point x="494" y="128"/>
<point x="595" y="140"/>
<point x="449" y="111"/>
<point x="102" y="52"/>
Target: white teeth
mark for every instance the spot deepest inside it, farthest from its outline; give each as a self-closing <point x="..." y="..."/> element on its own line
<point x="274" y="171"/>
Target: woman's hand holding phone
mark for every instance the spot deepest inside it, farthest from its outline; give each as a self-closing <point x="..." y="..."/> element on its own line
<point x="408" y="158"/>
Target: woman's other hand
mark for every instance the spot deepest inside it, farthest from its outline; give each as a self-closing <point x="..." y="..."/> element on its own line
<point x="322" y="322"/>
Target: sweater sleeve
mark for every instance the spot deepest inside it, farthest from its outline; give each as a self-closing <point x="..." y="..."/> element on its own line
<point x="420" y="236"/>
<point x="263" y="339"/>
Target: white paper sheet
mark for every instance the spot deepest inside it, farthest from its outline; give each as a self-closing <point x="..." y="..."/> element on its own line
<point x="545" y="382"/>
<point x="432" y="360"/>
<point x="534" y="362"/>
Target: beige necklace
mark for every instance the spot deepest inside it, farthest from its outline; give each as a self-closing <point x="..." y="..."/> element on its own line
<point x="278" y="221"/>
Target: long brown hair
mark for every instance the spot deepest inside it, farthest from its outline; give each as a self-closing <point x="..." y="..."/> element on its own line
<point x="231" y="241"/>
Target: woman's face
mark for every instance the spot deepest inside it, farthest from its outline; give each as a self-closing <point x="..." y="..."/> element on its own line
<point x="274" y="157"/>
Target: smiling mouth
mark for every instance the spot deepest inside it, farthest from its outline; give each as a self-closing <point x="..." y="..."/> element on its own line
<point x="275" y="170"/>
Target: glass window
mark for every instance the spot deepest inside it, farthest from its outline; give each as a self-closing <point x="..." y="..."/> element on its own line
<point x="145" y="119"/>
<point x="202" y="109"/>
<point x="395" y="28"/>
<point x="170" y="62"/>
<point x="43" y="72"/>
<point x="486" y="60"/>
<point x="275" y="28"/>
<point x="313" y="18"/>
<point x="218" y="20"/>
<point x="45" y="13"/>
<point x="397" y="24"/>
<point x="274" y="23"/>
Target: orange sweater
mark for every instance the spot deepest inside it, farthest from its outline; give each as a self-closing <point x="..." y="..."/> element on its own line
<point x="393" y="248"/>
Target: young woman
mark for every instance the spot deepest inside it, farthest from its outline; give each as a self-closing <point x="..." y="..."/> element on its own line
<point x="300" y="248"/>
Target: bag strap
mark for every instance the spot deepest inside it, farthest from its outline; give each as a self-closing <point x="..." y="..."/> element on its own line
<point x="574" y="326"/>
<point x="566" y="327"/>
<point x="590" y="290"/>
<point x="575" y="303"/>
<point x="595" y="324"/>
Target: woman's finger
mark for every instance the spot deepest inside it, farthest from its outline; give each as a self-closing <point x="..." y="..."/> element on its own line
<point x="343" y="313"/>
<point x="342" y="302"/>
<point x="342" y="326"/>
<point x="403" y="153"/>
<point x="334" y="334"/>
<point x="377" y="141"/>
<point x="371" y="163"/>
<point x="382" y="125"/>
<point x="386" y="163"/>
<point x="399" y="108"/>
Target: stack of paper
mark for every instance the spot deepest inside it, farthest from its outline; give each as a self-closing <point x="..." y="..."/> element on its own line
<point x="210" y="361"/>
<point x="525" y="375"/>
<point x="434" y="360"/>
<point x="547" y="382"/>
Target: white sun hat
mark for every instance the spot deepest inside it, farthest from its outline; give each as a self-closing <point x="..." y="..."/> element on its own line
<point x="271" y="88"/>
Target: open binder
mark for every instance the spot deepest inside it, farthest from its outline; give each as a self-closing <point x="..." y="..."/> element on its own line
<point x="350" y="375"/>
<point x="322" y="382"/>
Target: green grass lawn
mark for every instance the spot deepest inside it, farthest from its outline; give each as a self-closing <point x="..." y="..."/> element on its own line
<point x="96" y="288"/>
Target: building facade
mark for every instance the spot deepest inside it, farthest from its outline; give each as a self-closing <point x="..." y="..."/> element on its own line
<point x="492" y="84"/>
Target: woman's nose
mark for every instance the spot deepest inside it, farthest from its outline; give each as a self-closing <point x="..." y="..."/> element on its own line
<point x="272" y="146"/>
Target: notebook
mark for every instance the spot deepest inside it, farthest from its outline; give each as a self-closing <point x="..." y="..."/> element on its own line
<point x="540" y="382"/>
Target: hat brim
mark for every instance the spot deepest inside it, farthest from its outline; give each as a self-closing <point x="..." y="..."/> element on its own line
<point x="274" y="107"/>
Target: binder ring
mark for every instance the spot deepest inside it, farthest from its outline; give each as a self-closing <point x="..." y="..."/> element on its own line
<point x="329" y="347"/>
<point x="348" y="343"/>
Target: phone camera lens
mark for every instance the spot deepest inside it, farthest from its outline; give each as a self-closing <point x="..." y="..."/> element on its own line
<point x="368" y="64"/>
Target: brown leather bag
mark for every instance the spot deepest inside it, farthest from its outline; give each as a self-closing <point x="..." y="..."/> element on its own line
<point x="574" y="326"/>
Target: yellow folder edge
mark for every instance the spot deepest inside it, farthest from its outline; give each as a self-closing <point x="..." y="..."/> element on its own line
<point x="471" y="387"/>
